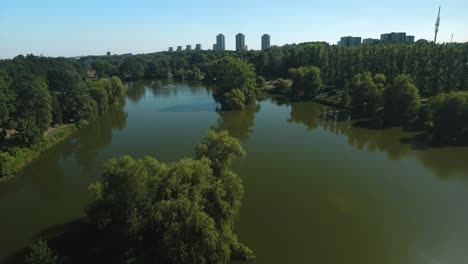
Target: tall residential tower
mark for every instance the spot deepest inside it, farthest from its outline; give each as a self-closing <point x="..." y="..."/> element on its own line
<point x="265" y="41"/>
<point x="240" y="42"/>
<point x="220" y="42"/>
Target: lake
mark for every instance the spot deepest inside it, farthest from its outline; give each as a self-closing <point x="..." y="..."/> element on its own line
<point x="318" y="189"/>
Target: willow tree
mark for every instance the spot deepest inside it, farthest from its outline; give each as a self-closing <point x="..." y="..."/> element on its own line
<point x="178" y="212"/>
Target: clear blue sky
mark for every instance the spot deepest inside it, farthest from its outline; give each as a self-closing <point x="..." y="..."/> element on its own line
<point x="83" y="27"/>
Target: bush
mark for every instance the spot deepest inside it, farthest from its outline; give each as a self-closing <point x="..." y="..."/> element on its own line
<point x="449" y="114"/>
<point x="260" y="81"/>
<point x="40" y="253"/>
<point x="283" y="86"/>
<point x="234" y="100"/>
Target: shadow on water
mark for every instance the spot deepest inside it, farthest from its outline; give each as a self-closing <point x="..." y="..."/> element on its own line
<point x="78" y="241"/>
<point x="444" y="161"/>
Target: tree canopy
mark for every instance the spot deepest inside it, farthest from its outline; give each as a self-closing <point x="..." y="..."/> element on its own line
<point x="178" y="212"/>
<point x="235" y="82"/>
<point x="306" y="81"/>
<point x="401" y="101"/>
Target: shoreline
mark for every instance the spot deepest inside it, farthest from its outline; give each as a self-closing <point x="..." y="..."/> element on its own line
<point x="12" y="161"/>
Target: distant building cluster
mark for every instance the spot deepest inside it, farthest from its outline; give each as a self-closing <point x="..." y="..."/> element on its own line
<point x="393" y="37"/>
<point x="220" y="44"/>
<point x="396" y="37"/>
<point x="349" y="41"/>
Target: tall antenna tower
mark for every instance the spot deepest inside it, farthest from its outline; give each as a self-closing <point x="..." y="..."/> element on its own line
<point x="437" y="26"/>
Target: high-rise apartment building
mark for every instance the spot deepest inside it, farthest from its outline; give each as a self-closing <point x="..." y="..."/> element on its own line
<point x="240" y="42"/>
<point x="265" y="41"/>
<point x="198" y="47"/>
<point x="349" y="41"/>
<point x="220" y="42"/>
<point x="368" y="41"/>
<point x="188" y="47"/>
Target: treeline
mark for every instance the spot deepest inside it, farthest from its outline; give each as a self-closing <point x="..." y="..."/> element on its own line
<point x="38" y="93"/>
<point x="434" y="68"/>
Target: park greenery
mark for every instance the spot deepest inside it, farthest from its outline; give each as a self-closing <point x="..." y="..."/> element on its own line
<point x="39" y="97"/>
<point x="397" y="84"/>
<point x="381" y="81"/>
<point x="177" y="212"/>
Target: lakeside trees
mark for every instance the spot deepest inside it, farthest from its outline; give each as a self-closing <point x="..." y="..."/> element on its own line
<point x="179" y="212"/>
<point x="367" y="93"/>
<point x="37" y="93"/>
<point x="449" y="115"/>
<point x="306" y="82"/>
<point x="235" y="82"/>
<point x="401" y="101"/>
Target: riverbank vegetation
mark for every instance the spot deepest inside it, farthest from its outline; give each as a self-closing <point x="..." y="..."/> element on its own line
<point x="39" y="94"/>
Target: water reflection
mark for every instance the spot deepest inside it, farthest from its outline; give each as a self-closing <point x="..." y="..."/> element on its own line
<point x="239" y="123"/>
<point x="307" y="113"/>
<point x="97" y="135"/>
<point x="136" y="90"/>
<point x="53" y="187"/>
<point x="396" y="143"/>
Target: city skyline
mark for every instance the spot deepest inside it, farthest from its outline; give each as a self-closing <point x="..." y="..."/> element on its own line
<point x="59" y="28"/>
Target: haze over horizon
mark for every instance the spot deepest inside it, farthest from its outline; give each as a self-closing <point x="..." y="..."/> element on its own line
<point x="61" y="28"/>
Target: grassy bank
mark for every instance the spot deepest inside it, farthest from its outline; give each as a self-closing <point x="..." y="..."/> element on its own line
<point x="17" y="158"/>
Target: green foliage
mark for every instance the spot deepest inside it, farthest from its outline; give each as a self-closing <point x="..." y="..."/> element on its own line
<point x="282" y="86"/>
<point x="28" y="132"/>
<point x="367" y="93"/>
<point x="16" y="158"/>
<point x="118" y="90"/>
<point x="260" y="82"/>
<point x="101" y="96"/>
<point x="7" y="97"/>
<point x="36" y="92"/>
<point x="104" y="68"/>
<point x="345" y="99"/>
<point x="232" y="73"/>
<point x="401" y="101"/>
<point x="306" y="81"/>
<point x="132" y="69"/>
<point x="57" y="116"/>
<point x="233" y="100"/>
<point x="229" y="73"/>
<point x="180" y="212"/>
<point x="449" y="114"/>
<point x="220" y="148"/>
<point x="40" y="253"/>
<point x="35" y="102"/>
